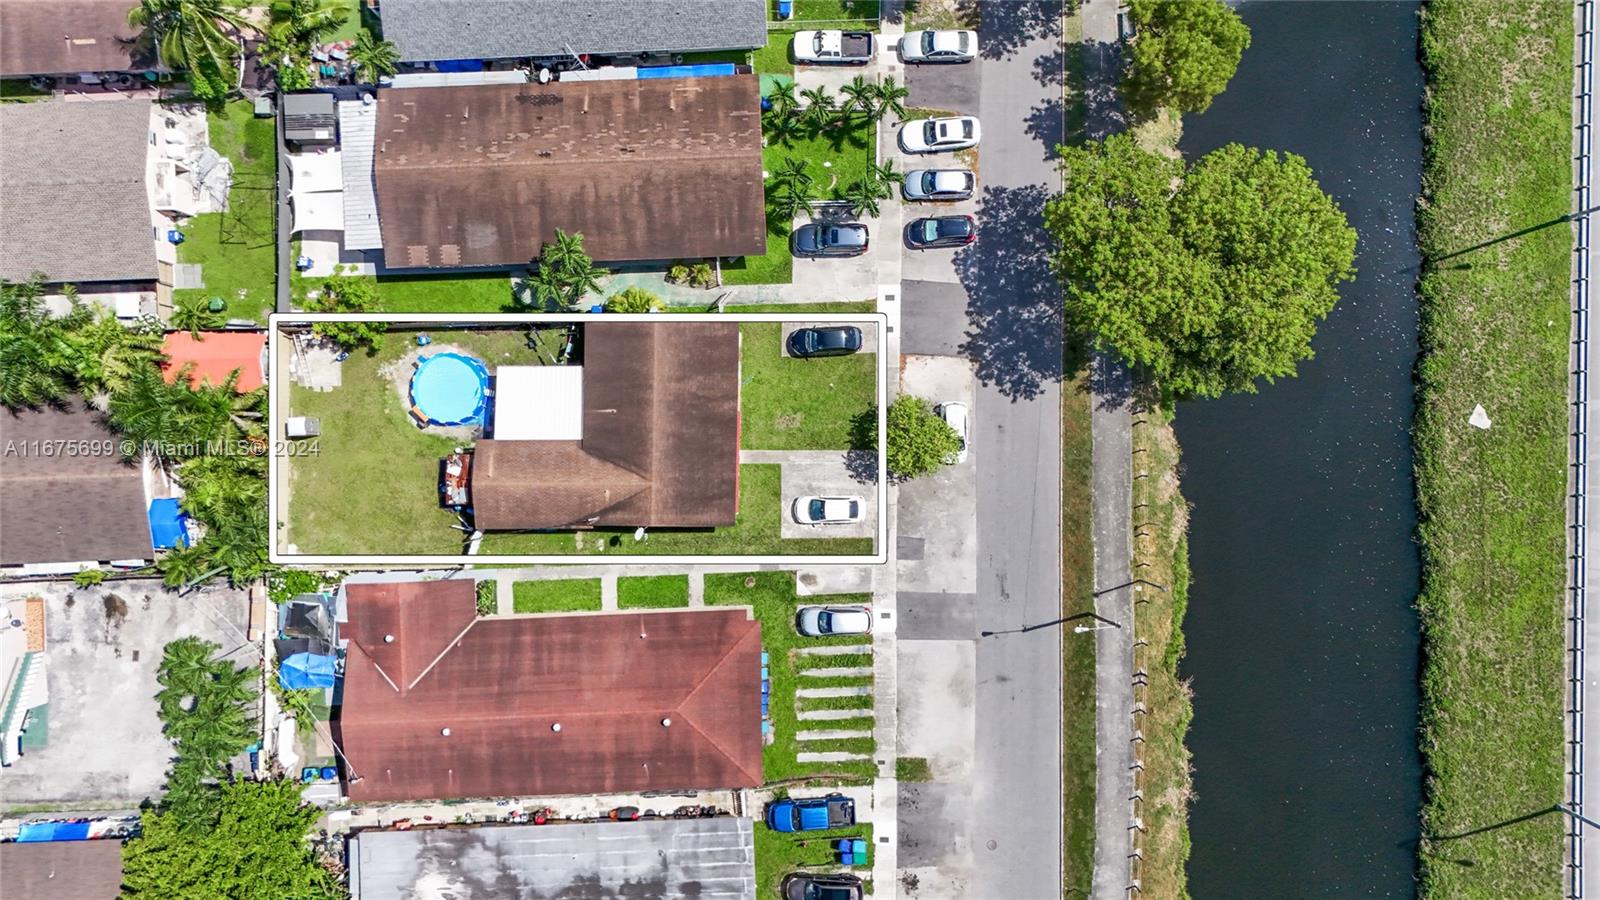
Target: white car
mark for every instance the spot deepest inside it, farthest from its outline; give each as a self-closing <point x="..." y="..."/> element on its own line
<point x="958" y="417"/>
<point x="939" y="46"/>
<point x="820" y="47"/>
<point x="939" y="184"/>
<point x="829" y="510"/>
<point x="933" y="135"/>
<point x="822" y="621"/>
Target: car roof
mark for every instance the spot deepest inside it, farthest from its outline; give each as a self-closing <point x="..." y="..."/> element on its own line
<point x="835" y="335"/>
<point x="850" y="234"/>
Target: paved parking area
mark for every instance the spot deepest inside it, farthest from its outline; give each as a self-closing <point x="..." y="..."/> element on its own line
<point x="827" y="479"/>
<point x="103" y="645"/>
<point x="839" y="277"/>
<point x="952" y="87"/>
<point x="937" y="525"/>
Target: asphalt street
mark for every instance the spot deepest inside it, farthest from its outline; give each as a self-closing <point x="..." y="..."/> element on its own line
<point x="1004" y="317"/>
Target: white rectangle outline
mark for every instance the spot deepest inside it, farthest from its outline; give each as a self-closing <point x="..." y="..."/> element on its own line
<point x="277" y="380"/>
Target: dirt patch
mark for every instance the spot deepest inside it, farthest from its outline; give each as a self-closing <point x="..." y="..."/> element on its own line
<point x="399" y="372"/>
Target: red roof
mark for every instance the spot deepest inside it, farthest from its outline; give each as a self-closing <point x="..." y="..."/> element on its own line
<point x="499" y="684"/>
<point x="216" y="355"/>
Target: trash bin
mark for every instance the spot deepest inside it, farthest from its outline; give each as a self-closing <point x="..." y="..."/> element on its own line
<point x="785" y="9"/>
<point x="216" y="304"/>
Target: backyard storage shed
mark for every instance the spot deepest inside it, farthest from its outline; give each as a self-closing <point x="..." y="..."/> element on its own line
<point x="309" y="119"/>
<point x="484" y="175"/>
<point x="442" y="703"/>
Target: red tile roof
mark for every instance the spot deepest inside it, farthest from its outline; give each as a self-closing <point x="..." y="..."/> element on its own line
<point x="216" y="355"/>
<point x="500" y="683"/>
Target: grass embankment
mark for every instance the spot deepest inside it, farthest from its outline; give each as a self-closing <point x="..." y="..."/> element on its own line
<point x="772" y="595"/>
<point x="800" y="404"/>
<point x="1494" y="331"/>
<point x="1077" y="651"/>
<point x="236" y="248"/>
<point x="561" y="595"/>
<point x="653" y="591"/>
<point x="1162" y="552"/>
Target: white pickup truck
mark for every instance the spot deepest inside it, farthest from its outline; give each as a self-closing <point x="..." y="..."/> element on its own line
<point x="847" y="47"/>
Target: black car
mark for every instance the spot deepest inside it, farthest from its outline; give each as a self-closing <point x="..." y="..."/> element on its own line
<point x="805" y="886"/>
<point x="834" y="340"/>
<point x="941" y="231"/>
<point x="843" y="239"/>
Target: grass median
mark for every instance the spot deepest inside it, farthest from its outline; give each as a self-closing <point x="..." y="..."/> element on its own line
<point x="1077" y="651"/>
<point x="1492" y="513"/>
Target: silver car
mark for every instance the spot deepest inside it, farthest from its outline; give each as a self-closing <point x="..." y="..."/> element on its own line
<point x="823" y="621"/>
<point x="828" y="510"/>
<point x="939" y="46"/>
<point x="939" y="184"/>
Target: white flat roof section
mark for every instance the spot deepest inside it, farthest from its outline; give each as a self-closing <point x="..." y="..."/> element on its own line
<point x="538" y="403"/>
<point x="708" y="859"/>
<point x="316" y="172"/>
<point x="318" y="212"/>
<point x="357" y="128"/>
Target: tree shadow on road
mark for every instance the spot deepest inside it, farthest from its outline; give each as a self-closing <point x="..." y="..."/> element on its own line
<point x="1015" y="329"/>
<point x="1047" y="125"/>
<point x="1009" y="24"/>
<point x="1096" y="81"/>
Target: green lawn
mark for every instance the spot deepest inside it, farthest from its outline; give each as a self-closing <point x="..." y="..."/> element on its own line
<point x="800" y="404"/>
<point x="776" y="266"/>
<point x="756" y="531"/>
<point x="653" y="591"/>
<point x="831" y="11"/>
<point x="351" y="26"/>
<point x="236" y="247"/>
<point x="1077" y="656"/>
<point x="562" y="595"/>
<point x="1494" y="330"/>
<point x="773" y="59"/>
<point x="489" y="292"/>
<point x="772" y="595"/>
<point x="19" y="90"/>
<point x="778" y="854"/>
<point x="373" y="485"/>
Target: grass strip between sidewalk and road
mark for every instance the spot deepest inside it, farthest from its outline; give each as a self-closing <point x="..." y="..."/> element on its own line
<point x="1491" y="503"/>
<point x="1077" y="651"/>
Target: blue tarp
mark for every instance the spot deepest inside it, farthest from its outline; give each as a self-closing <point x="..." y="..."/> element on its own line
<point x="306" y="670"/>
<point x="167" y="524"/>
<point x="39" y="832"/>
<point x="701" y="71"/>
<point x="459" y="65"/>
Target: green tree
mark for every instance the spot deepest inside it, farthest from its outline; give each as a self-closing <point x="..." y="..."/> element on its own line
<point x="876" y="185"/>
<point x="781" y="120"/>
<point x="255" y="846"/>
<point x="194" y="315"/>
<point x="633" y="300"/>
<point x="1207" y="279"/>
<point x="565" y="274"/>
<point x="374" y="58"/>
<point x="918" y="441"/>
<point x="348" y="294"/>
<point x="37" y="357"/>
<point x="890" y="99"/>
<point x="793" y="189"/>
<point x="1183" y="53"/>
<point x="821" y="109"/>
<point x="203" y="707"/>
<point x="198" y="36"/>
<point x="294" y="25"/>
<point x="860" y="96"/>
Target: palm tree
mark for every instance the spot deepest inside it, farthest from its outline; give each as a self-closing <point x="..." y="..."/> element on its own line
<point x="109" y="353"/>
<point x="885" y="177"/>
<point x="859" y="95"/>
<point x="294" y="25"/>
<point x="374" y="58"/>
<point x="793" y="189"/>
<point x="891" y="99"/>
<point x="565" y="273"/>
<point x="37" y="359"/>
<point x="196" y="36"/>
<point x="863" y="196"/>
<point x="194" y="315"/>
<point x="821" y="109"/>
<point x="780" y="120"/>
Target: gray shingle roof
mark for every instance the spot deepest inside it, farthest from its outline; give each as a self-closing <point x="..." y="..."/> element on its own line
<point x="426" y="30"/>
<point x="72" y="191"/>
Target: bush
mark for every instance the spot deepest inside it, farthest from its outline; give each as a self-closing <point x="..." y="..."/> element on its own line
<point x="919" y="441"/>
<point x="634" y="300"/>
<point x="701" y="275"/>
<point x="678" y="274"/>
<point x="286" y="584"/>
<point x="488" y="601"/>
<point x="346" y="294"/>
<point x="89" y="577"/>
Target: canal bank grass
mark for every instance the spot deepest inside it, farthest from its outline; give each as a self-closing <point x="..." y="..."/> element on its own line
<point x="1161" y="556"/>
<point x="1491" y="503"/>
<point x="1077" y="651"/>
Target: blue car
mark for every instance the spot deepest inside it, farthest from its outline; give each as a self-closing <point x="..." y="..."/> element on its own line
<point x="811" y="813"/>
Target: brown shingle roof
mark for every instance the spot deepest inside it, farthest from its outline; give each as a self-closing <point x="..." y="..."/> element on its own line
<point x="499" y="683"/>
<point x="58" y="870"/>
<point x="66" y="506"/>
<point x="62" y="37"/>
<point x="660" y="440"/>
<point x="483" y="175"/>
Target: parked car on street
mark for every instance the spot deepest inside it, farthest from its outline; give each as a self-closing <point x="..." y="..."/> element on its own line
<point x="939" y="46"/>
<point x="848" y="47"/>
<point x="930" y="232"/>
<point x="824" y="621"/>
<point x="958" y="417"/>
<point x="809" y="886"/>
<point x="939" y="184"/>
<point x="811" y="813"/>
<point x="818" y="239"/>
<point x="830" y="340"/>
<point x="828" y="510"/>
<point x="934" y="135"/>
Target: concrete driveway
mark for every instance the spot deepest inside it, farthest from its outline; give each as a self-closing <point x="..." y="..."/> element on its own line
<point x="946" y="86"/>
<point x="937" y="525"/>
<point x="102" y="648"/>
<point x="841" y="277"/>
<point x="826" y="479"/>
<point x="938" y="264"/>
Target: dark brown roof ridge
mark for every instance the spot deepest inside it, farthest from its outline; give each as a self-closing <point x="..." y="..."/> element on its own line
<point x="684" y="705"/>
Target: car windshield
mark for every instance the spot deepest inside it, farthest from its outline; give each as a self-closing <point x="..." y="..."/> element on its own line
<point x="930" y="131"/>
<point x="930" y="182"/>
<point x="966" y="128"/>
<point x="855" y="509"/>
<point x="927" y="42"/>
<point x="816" y="891"/>
<point x="963" y="39"/>
<point x="816" y="509"/>
<point x="930" y="229"/>
<point x="825" y="621"/>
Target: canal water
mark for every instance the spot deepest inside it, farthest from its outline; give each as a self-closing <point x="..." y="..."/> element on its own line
<point x="1302" y="640"/>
